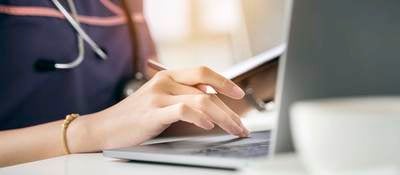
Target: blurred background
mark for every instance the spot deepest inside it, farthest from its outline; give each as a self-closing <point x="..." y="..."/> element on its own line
<point x="215" y="33"/>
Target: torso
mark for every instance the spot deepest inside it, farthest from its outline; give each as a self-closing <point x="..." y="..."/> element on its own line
<point x="28" y="97"/>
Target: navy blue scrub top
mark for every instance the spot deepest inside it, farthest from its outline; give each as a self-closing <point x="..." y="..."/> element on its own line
<point x="27" y="97"/>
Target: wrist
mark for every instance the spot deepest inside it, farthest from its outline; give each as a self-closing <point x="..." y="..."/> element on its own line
<point x="82" y="136"/>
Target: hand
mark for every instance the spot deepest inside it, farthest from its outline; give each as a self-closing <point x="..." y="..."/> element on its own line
<point x="168" y="97"/>
<point x="262" y="80"/>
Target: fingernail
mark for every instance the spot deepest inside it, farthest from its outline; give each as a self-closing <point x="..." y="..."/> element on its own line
<point x="243" y="134"/>
<point x="247" y="131"/>
<point x="211" y="90"/>
<point x="202" y="87"/>
<point x="207" y="89"/>
<point x="237" y="91"/>
<point x="210" y="126"/>
<point x="239" y="131"/>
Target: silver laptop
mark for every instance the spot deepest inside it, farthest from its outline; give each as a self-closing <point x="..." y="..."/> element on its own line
<point x="335" y="48"/>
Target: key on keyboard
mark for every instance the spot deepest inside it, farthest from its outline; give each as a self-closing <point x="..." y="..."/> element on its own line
<point x="240" y="151"/>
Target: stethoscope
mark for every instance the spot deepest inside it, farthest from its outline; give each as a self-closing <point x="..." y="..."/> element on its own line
<point x="45" y="65"/>
<point x="50" y="65"/>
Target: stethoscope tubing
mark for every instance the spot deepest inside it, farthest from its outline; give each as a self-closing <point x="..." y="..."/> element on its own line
<point x="79" y="29"/>
<point x="81" y="37"/>
<point x="81" y="47"/>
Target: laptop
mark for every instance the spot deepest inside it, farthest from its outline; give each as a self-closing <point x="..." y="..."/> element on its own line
<point x="334" y="49"/>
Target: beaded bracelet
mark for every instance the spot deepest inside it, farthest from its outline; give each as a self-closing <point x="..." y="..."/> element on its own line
<point x="68" y="119"/>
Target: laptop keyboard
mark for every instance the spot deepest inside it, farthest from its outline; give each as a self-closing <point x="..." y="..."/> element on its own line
<point x="237" y="151"/>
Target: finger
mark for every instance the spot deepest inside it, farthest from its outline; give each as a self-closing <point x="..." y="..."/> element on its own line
<point x="204" y="103"/>
<point x="204" y="75"/>
<point x="182" y="112"/>
<point x="246" y="132"/>
<point x="181" y="89"/>
<point x="235" y="117"/>
<point x="166" y="83"/>
<point x="206" y="89"/>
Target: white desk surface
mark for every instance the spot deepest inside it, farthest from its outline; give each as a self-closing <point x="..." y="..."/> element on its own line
<point x="96" y="164"/>
<point x="80" y="164"/>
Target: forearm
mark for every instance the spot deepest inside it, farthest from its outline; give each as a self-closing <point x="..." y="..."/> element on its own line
<point x="43" y="141"/>
<point x="32" y="143"/>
